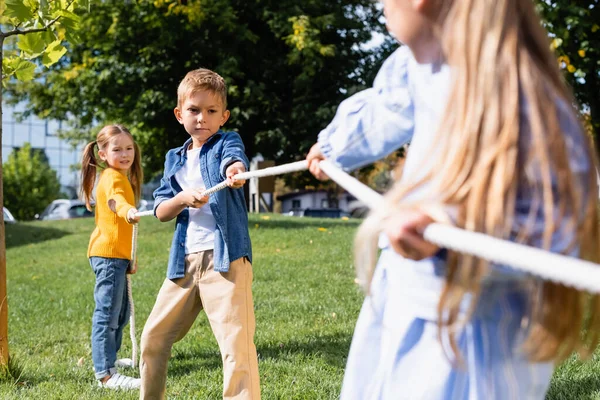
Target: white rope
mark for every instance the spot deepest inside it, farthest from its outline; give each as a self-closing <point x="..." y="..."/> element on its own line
<point x="134" y="344"/>
<point x="570" y="271"/>
<point x="582" y="275"/>
<point x="278" y="170"/>
<point x="144" y="213"/>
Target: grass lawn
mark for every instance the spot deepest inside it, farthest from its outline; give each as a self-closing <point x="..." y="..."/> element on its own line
<point x="305" y="299"/>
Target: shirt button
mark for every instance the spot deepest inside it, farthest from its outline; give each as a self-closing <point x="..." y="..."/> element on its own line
<point x="182" y="244"/>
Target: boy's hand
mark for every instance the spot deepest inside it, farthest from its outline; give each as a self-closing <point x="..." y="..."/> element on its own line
<point x="313" y="157"/>
<point x="405" y="232"/>
<point x="192" y="198"/>
<point x="131" y="218"/>
<point x="234" y="169"/>
<point x="132" y="269"/>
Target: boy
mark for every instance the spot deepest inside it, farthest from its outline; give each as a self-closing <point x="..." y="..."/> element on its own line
<point x="210" y="258"/>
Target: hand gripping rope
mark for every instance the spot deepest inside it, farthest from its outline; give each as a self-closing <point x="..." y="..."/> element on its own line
<point x="278" y="170"/>
<point x="570" y="271"/>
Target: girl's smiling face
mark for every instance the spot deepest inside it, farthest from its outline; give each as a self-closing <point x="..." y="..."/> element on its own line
<point x="119" y="153"/>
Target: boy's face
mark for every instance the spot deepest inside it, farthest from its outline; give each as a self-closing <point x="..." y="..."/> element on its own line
<point x="202" y="114"/>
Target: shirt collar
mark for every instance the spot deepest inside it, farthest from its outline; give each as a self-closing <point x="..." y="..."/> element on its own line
<point x="183" y="149"/>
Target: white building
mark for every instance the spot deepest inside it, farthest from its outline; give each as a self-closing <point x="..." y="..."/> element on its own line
<point x="313" y="199"/>
<point x="41" y="134"/>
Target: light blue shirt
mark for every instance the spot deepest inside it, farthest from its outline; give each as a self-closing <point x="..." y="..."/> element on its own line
<point x="406" y="104"/>
<point x="396" y="352"/>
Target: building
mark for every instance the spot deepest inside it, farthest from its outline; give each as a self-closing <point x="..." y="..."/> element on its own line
<point x="298" y="201"/>
<point x="63" y="157"/>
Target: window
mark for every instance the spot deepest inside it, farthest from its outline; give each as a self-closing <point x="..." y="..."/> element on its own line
<point x="324" y="203"/>
<point x="296" y="204"/>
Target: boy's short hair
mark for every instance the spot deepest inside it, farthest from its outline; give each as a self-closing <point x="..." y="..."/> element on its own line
<point x="202" y="79"/>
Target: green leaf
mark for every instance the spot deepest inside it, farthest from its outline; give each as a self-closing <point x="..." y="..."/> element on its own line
<point x="53" y="53"/>
<point x="48" y="36"/>
<point x="32" y="43"/>
<point x="68" y="20"/>
<point x="24" y="70"/>
<point x="72" y="37"/>
<point x="8" y="69"/>
<point x="85" y="4"/>
<point x="17" y="9"/>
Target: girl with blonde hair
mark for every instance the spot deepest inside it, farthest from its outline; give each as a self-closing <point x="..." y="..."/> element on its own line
<point x="497" y="148"/>
<point x="117" y="157"/>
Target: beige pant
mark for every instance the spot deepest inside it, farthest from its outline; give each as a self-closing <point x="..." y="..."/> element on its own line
<point x="226" y="297"/>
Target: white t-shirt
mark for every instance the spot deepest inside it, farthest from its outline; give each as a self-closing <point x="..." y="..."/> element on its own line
<point x="201" y="228"/>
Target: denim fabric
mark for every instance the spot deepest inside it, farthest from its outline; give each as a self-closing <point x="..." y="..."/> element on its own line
<point x="232" y="240"/>
<point x="110" y="314"/>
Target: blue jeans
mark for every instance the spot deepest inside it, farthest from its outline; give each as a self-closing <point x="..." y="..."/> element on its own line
<point x="110" y="314"/>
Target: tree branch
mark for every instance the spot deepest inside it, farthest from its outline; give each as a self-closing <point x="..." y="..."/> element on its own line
<point x="16" y="31"/>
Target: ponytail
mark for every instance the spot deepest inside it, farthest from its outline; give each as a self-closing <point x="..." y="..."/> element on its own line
<point x="89" y="163"/>
<point x="89" y="167"/>
<point x="136" y="173"/>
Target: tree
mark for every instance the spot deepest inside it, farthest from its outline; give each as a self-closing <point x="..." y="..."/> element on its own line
<point x="288" y="65"/>
<point x="33" y="31"/>
<point x="574" y="26"/>
<point x="29" y="182"/>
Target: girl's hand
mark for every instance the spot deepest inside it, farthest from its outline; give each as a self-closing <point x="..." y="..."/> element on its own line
<point x="313" y="157"/>
<point x="192" y="198"/>
<point x="405" y="232"/>
<point x="132" y="269"/>
<point x="131" y="217"/>
<point x="234" y="169"/>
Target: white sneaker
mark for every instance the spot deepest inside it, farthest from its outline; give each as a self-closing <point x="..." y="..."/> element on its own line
<point x="124" y="363"/>
<point x="118" y="381"/>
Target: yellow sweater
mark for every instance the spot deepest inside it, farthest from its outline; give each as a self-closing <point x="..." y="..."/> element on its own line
<point x="112" y="236"/>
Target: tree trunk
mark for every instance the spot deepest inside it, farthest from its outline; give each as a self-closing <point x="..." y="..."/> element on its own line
<point x="3" y="294"/>
<point x="595" y="115"/>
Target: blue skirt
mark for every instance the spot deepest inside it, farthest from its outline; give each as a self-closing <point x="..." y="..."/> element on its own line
<point x="396" y="352"/>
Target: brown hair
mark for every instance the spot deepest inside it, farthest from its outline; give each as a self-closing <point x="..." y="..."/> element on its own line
<point x="494" y="154"/>
<point x="90" y="163"/>
<point x="202" y="79"/>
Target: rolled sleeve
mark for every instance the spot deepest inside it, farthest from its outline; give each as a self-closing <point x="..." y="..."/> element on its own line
<point x="233" y="151"/>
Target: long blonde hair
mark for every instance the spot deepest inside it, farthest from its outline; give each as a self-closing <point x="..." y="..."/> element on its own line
<point x="503" y="142"/>
<point x="90" y="163"/>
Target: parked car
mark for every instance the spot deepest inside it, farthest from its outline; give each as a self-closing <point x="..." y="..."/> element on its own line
<point x="146" y="205"/>
<point x="8" y="217"/>
<point x="325" y="213"/>
<point x="65" y="209"/>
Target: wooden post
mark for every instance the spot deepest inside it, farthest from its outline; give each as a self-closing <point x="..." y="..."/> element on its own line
<point x="3" y="295"/>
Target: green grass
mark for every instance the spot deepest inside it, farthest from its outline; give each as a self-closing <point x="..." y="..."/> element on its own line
<point x="305" y="299"/>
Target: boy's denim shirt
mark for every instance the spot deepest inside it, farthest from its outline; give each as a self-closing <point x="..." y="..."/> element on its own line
<point x="232" y="240"/>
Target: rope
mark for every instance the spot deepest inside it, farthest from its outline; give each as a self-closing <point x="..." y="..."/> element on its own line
<point x="278" y="170"/>
<point x="580" y="274"/>
<point x="134" y="344"/>
<point x="570" y="271"/>
<point x="261" y="173"/>
<point x="144" y="214"/>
